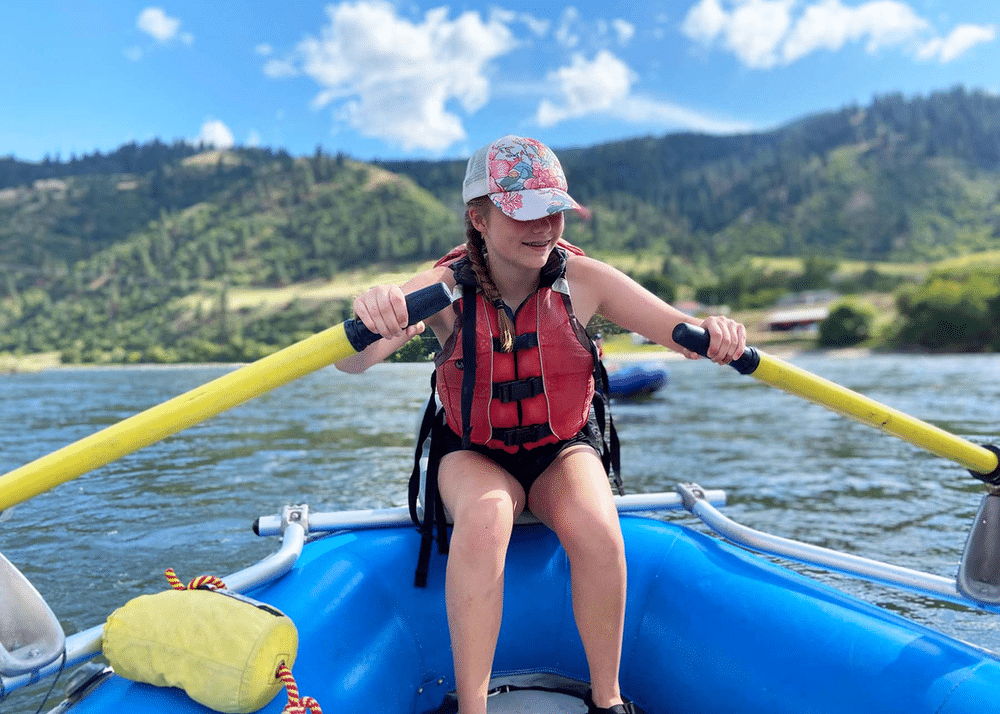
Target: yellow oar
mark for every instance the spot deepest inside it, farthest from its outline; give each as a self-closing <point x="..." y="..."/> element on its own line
<point x="982" y="461"/>
<point x="156" y="423"/>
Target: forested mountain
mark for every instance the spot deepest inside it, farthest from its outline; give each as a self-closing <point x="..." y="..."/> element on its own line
<point x="899" y="179"/>
<point x="132" y="255"/>
<point x="126" y="262"/>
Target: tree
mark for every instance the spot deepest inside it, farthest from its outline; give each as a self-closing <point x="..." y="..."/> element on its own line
<point x="848" y="324"/>
<point x="951" y="312"/>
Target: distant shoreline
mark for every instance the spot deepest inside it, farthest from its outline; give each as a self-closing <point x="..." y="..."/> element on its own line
<point x="31" y="364"/>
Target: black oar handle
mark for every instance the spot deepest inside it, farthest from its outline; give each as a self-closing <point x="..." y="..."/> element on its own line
<point x="697" y="340"/>
<point x="420" y="304"/>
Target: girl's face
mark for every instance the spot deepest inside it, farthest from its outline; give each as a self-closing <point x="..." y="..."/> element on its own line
<point x="526" y="244"/>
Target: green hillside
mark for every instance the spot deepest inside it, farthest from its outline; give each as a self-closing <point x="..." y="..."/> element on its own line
<point x="900" y="179"/>
<point x="162" y="252"/>
<point x="194" y="232"/>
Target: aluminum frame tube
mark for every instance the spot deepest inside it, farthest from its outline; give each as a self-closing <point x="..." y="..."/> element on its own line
<point x="856" y="566"/>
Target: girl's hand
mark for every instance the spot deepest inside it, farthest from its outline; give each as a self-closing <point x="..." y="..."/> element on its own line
<point x="728" y="339"/>
<point x="383" y="310"/>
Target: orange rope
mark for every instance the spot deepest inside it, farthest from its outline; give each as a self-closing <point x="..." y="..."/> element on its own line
<point x="201" y="581"/>
<point x="295" y="704"/>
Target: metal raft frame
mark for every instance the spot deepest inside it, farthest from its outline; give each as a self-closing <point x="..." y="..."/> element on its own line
<point x="296" y="523"/>
<point x="875" y="571"/>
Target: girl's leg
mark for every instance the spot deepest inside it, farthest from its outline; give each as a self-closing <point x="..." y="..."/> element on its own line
<point x="574" y="499"/>
<point x="483" y="500"/>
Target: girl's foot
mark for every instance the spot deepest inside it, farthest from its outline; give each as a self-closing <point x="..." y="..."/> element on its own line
<point x="613" y="709"/>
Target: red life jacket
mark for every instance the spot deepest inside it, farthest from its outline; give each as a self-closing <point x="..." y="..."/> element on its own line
<point x="538" y="393"/>
<point x="541" y="392"/>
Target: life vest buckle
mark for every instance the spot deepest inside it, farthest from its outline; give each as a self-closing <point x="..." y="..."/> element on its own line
<point x="518" y="389"/>
<point x="522" y="434"/>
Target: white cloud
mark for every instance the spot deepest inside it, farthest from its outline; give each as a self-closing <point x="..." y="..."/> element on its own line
<point x="705" y="21"/>
<point x="133" y="53"/>
<point x="586" y="88"/>
<point x="412" y="81"/>
<point x="959" y="41"/>
<point x="624" y="30"/>
<point x="264" y="49"/>
<point x="642" y="110"/>
<point x="567" y="32"/>
<point x="754" y="30"/>
<point x="156" y="23"/>
<point x="603" y="87"/>
<point x="536" y="26"/>
<point x="253" y="138"/>
<point x="396" y="79"/>
<point x="765" y="33"/>
<point x="215" y="133"/>
<point x="281" y="68"/>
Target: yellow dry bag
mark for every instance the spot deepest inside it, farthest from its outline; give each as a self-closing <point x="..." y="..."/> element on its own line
<point x="224" y="650"/>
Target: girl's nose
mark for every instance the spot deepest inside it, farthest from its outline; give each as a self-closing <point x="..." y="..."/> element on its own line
<point x="541" y="225"/>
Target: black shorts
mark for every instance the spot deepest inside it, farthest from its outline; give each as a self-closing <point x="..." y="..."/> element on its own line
<point x="525" y="465"/>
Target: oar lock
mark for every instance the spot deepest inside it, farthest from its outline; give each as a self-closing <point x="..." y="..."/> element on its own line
<point x="289" y="515"/>
<point x="690" y="494"/>
<point x="993" y="477"/>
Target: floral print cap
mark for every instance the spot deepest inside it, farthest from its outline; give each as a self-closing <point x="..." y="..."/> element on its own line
<point x="521" y="176"/>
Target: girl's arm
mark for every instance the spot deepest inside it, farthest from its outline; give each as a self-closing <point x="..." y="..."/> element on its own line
<point x="598" y="288"/>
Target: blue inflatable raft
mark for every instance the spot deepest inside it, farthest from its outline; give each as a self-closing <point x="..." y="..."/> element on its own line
<point x="636" y="380"/>
<point x="709" y="627"/>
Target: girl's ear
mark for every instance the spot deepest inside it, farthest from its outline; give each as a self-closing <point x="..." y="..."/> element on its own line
<point x="477" y="214"/>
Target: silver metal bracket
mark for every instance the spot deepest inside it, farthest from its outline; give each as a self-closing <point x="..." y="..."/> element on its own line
<point x="295" y="514"/>
<point x="690" y="493"/>
<point x="83" y="681"/>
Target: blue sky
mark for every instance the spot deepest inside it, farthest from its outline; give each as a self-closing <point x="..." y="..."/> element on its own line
<point x="418" y="79"/>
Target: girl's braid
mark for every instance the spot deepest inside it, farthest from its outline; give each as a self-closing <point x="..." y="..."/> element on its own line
<point x="476" y="247"/>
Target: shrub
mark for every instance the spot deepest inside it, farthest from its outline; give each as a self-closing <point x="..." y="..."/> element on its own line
<point x="848" y="324"/>
<point x="951" y="312"/>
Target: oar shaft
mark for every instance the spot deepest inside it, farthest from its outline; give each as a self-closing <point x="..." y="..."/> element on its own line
<point x="799" y="382"/>
<point x="164" y="419"/>
<point x="230" y="390"/>
<point x="981" y="461"/>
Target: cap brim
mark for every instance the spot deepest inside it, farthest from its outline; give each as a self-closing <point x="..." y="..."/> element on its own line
<point x="534" y="203"/>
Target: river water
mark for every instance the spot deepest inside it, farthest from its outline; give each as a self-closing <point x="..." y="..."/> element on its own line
<point x="339" y="441"/>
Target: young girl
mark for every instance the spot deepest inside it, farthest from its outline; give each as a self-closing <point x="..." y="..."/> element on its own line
<point x="522" y="435"/>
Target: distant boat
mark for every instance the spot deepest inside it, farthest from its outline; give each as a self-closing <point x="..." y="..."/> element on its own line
<point x="636" y="380"/>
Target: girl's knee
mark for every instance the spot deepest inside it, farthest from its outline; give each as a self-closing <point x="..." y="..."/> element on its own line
<point x="489" y="511"/>
<point x="485" y="524"/>
<point x="597" y="540"/>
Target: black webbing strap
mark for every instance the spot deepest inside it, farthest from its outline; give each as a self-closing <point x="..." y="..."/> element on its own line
<point x="433" y="508"/>
<point x="517" y="435"/>
<point x="517" y="389"/>
<point x="468" y="361"/>
<point x="610" y="457"/>
<point x="426" y="424"/>
<point x="524" y="341"/>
